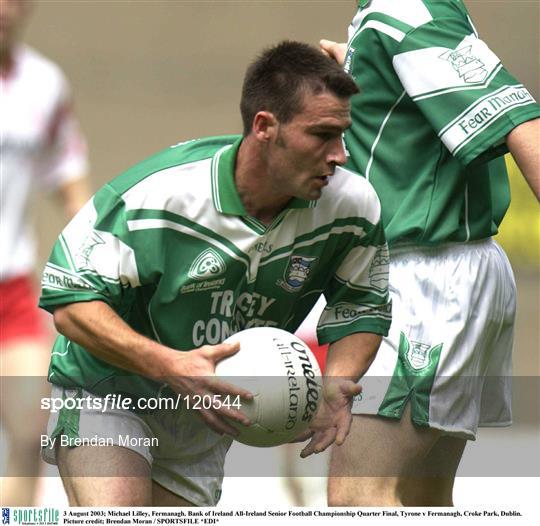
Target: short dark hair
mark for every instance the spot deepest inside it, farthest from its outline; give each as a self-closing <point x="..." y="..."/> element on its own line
<point x="278" y="79"/>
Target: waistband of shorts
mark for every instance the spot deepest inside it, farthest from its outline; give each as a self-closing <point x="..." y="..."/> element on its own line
<point x="432" y="250"/>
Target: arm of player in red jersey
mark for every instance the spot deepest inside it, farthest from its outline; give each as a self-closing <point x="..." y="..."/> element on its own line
<point x="98" y="328"/>
<point x="524" y="145"/>
<point x="74" y="194"/>
<point x="348" y="359"/>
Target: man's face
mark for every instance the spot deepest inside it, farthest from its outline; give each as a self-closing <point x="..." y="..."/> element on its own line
<point x="12" y="15"/>
<point x="305" y="151"/>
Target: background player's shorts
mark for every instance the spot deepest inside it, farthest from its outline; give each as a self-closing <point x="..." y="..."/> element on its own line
<point x="449" y="348"/>
<point x="20" y="317"/>
<point x="188" y="458"/>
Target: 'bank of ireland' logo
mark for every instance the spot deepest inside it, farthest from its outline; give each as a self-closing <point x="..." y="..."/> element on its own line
<point x="296" y="273"/>
<point x="207" y="265"/>
<point x="469" y="67"/>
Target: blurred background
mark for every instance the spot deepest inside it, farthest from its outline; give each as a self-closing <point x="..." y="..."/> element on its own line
<point x="148" y="74"/>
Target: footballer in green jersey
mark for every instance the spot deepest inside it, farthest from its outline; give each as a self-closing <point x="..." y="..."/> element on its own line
<point x="447" y="105"/>
<point x="436" y="111"/>
<point x="170" y="247"/>
<point x="205" y="239"/>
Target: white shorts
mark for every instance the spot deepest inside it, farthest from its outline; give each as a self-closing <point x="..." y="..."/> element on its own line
<point x="449" y="348"/>
<point x="185" y="455"/>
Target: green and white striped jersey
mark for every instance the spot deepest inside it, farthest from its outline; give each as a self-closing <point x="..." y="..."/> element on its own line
<point x="169" y="246"/>
<point x="434" y="108"/>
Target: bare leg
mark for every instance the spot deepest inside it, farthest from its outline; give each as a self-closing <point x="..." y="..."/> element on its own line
<point x="385" y="463"/>
<point x="125" y="482"/>
<point x="432" y="483"/>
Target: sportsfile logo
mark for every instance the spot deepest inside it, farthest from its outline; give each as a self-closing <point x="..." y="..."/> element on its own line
<point x="208" y="264"/>
<point x="31" y="516"/>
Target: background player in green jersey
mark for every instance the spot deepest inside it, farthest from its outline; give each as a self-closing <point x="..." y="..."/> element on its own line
<point x="206" y="238"/>
<point x="436" y="106"/>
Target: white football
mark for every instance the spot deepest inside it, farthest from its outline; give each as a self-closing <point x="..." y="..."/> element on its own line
<point x="285" y="379"/>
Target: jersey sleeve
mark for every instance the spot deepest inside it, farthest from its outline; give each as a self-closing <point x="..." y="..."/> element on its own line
<point x="461" y="87"/>
<point x="357" y="296"/>
<point x="66" y="156"/>
<point x="92" y="258"/>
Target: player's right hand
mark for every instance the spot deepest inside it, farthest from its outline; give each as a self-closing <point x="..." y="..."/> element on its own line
<point x="334" y="50"/>
<point x="193" y="375"/>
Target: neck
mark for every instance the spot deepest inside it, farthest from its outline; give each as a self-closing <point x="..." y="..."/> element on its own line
<point x="253" y="183"/>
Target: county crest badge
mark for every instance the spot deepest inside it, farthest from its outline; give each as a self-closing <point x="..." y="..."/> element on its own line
<point x="420" y="357"/>
<point x="296" y="273"/>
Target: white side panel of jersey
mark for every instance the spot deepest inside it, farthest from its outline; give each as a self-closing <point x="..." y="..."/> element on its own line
<point x="179" y="189"/>
<point x="96" y="252"/>
<point x="186" y="191"/>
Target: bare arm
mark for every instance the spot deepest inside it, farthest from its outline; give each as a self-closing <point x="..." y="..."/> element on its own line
<point x="351" y="357"/>
<point x="98" y="328"/>
<point x="524" y="144"/>
<point x="74" y="195"/>
<point x="348" y="360"/>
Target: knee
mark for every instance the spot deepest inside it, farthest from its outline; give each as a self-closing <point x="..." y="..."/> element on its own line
<point x="358" y="492"/>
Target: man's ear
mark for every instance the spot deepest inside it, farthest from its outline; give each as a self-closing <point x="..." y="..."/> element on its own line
<point x="265" y="126"/>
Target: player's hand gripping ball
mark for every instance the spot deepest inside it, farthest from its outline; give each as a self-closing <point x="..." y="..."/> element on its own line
<point x="285" y="379"/>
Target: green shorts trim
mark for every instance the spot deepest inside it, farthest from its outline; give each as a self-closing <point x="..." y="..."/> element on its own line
<point x="412" y="381"/>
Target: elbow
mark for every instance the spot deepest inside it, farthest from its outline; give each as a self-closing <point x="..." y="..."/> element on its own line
<point x="61" y="318"/>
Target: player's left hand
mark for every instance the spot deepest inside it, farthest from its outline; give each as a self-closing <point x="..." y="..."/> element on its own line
<point x="333" y="419"/>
